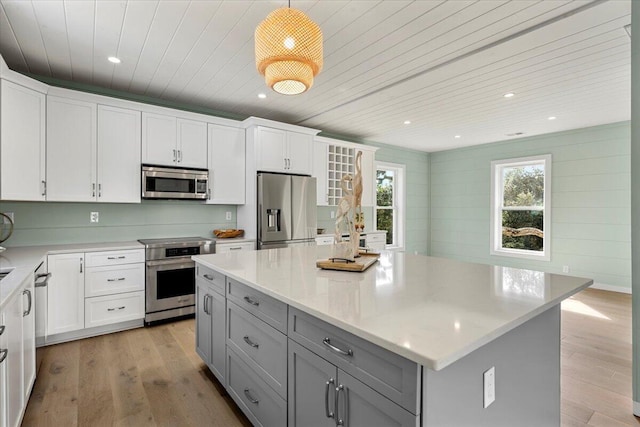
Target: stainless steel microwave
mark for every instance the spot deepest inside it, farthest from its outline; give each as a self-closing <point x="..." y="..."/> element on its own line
<point x="174" y="183"/>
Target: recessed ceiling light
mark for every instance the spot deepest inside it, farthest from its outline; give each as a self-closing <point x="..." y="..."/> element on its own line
<point x="262" y="96"/>
<point x="509" y="94"/>
<point x="552" y="118"/>
<point x="457" y="136"/>
<point x="114" y="59"/>
<point x="407" y="122"/>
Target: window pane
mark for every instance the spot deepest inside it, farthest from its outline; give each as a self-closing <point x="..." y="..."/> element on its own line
<point x="523" y="230"/>
<point x="523" y="185"/>
<point x="384" y="219"/>
<point x="384" y="188"/>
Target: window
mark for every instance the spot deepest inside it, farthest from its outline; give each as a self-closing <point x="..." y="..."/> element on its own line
<point x="390" y="202"/>
<point x="521" y="206"/>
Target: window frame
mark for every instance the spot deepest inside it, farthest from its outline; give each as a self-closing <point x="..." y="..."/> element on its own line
<point x="399" y="202"/>
<point x="497" y="199"/>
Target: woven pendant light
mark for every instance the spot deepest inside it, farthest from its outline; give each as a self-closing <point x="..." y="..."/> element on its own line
<point x="288" y="50"/>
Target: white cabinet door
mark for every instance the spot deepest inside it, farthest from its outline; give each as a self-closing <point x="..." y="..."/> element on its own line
<point x="22" y="143"/>
<point x="299" y="153"/>
<point x="368" y="178"/>
<point x="192" y="144"/>
<point x="65" y="293"/>
<point x="118" y="155"/>
<point x="270" y="150"/>
<point x="14" y="360"/>
<point x="71" y="150"/>
<point x="226" y="165"/>
<point x="28" y="338"/>
<point x="320" y="172"/>
<point x="159" y="139"/>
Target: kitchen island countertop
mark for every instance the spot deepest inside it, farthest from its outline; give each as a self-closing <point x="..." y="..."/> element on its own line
<point x="433" y="311"/>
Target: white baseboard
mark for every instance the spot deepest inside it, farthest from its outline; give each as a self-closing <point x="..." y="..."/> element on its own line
<point x="602" y="286"/>
<point x="636" y="408"/>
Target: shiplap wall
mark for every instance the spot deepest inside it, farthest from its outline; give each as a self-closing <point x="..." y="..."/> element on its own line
<point x="590" y="215"/>
<point x="44" y="223"/>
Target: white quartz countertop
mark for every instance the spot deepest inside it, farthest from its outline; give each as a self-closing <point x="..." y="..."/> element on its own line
<point x="25" y="259"/>
<point x="433" y="311"/>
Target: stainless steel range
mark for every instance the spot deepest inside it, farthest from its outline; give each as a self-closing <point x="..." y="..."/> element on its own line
<point x="171" y="276"/>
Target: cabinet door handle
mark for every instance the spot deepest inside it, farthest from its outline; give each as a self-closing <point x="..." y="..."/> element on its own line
<point x="2" y="330"/>
<point x="327" y="411"/>
<point x="44" y="188"/>
<point x="27" y="292"/>
<point x="179" y="156"/>
<point x="327" y="342"/>
<point x="251" y="301"/>
<point x="251" y="343"/>
<point x="341" y="421"/>
<point x="80" y="265"/>
<point x="93" y="190"/>
<point x="3" y="355"/>
<point x="42" y="283"/>
<point x="99" y="190"/>
<point x="208" y="193"/>
<point x="174" y="156"/>
<point x="253" y="400"/>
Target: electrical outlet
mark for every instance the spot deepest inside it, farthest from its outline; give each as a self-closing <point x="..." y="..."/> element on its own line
<point x="94" y="217"/>
<point x="228" y="216"/>
<point x="10" y="215"/>
<point x="565" y="268"/>
<point x="333" y="215"/>
<point x="489" y="386"/>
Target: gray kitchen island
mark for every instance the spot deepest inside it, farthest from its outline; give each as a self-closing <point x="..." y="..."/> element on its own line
<point x="413" y="341"/>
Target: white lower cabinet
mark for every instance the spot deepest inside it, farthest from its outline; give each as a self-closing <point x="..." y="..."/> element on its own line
<point x="93" y="289"/>
<point x="211" y="327"/>
<point x="17" y="355"/>
<point x="232" y="246"/>
<point x="376" y="241"/>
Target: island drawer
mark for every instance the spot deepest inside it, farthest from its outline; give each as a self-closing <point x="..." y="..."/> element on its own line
<point x="217" y="280"/>
<point x="97" y="259"/>
<point x="110" y="309"/>
<point x="393" y="376"/>
<point x="259" y="345"/>
<point x="114" y="279"/>
<point x="255" y="302"/>
<point x="258" y="401"/>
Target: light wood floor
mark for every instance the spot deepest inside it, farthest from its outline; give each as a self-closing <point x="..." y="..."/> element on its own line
<point x="152" y="376"/>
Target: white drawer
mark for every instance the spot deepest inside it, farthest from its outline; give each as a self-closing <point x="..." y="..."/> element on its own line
<point x="228" y="247"/>
<point x="114" y="279"/>
<point x="376" y="237"/>
<point x="110" y="309"/>
<point x="324" y="240"/>
<point x="259" y="402"/>
<point x="97" y="259"/>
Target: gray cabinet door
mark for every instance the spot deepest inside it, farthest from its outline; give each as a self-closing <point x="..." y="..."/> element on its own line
<point x="217" y="308"/>
<point x="203" y="322"/>
<point x="360" y="406"/>
<point x="311" y="399"/>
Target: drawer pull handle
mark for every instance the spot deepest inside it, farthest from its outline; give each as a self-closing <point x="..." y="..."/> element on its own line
<point x="119" y="279"/>
<point x="251" y="343"/>
<point x="251" y="398"/>
<point x="341" y="421"/>
<point x="113" y="257"/>
<point x="3" y="355"/>
<point x="116" y="308"/>
<point x="1" y="330"/>
<point x="237" y="248"/>
<point x="327" y="342"/>
<point x="251" y="301"/>
<point x="208" y="277"/>
<point x="328" y="412"/>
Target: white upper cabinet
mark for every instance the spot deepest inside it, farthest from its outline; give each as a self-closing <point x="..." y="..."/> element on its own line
<point x="368" y="178"/>
<point x="118" y="155"/>
<point x="22" y="143"/>
<point x="192" y="144"/>
<point x="171" y="141"/>
<point x="320" y="172"/>
<point x="284" y="151"/>
<point x="226" y="165"/>
<point x="71" y="150"/>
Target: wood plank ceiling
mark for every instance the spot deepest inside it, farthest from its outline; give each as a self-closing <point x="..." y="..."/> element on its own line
<point x="442" y="65"/>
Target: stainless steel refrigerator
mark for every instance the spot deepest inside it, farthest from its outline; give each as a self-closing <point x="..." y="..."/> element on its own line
<point x="286" y="210"/>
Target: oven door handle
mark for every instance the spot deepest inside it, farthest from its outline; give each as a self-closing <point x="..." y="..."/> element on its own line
<point x="186" y="262"/>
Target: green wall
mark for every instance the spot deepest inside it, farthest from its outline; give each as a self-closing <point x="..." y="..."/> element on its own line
<point x="635" y="195"/>
<point x="590" y="215"/>
<point x="39" y="223"/>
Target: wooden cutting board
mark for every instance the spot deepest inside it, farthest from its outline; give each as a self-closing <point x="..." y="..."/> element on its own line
<point x="365" y="261"/>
